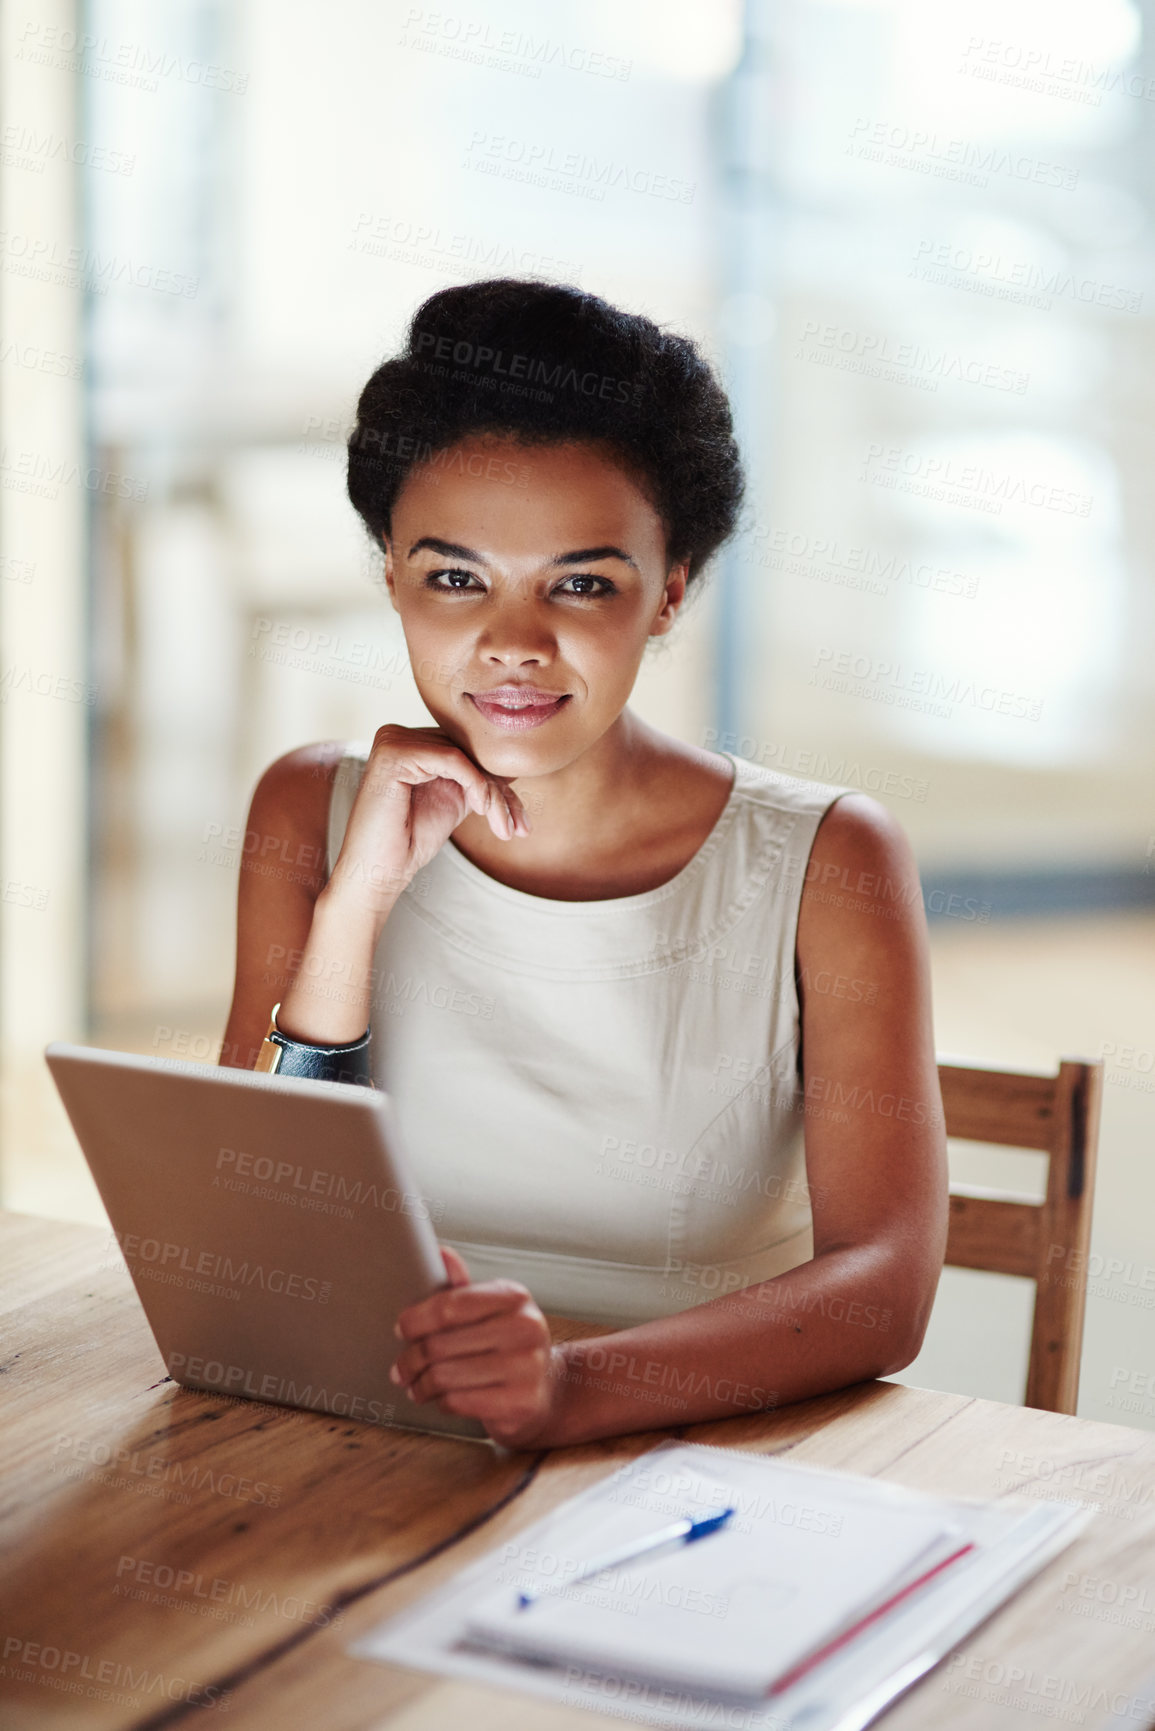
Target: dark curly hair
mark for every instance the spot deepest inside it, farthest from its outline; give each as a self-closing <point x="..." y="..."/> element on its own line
<point x="546" y="363"/>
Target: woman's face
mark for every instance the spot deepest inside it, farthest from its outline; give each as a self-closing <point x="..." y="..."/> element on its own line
<point x="525" y="572"/>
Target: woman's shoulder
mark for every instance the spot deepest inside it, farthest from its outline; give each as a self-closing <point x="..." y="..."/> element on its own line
<point x="774" y="790"/>
<point x="308" y="767"/>
<point x="294" y="793"/>
<point x="848" y="826"/>
<point x="838" y="837"/>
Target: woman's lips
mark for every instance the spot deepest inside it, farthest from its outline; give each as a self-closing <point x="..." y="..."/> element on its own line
<point x="515" y="720"/>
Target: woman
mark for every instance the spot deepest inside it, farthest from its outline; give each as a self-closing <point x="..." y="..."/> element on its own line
<point x="657" y="1023"/>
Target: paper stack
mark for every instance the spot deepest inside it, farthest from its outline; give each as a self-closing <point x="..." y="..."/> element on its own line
<point x="823" y="1597"/>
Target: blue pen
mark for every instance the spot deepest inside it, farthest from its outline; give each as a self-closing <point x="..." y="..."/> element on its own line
<point x="680" y="1533"/>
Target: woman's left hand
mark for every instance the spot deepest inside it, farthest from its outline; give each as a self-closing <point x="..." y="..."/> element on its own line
<point x="481" y="1352"/>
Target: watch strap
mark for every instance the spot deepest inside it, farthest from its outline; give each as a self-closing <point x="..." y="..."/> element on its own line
<point x="280" y="1055"/>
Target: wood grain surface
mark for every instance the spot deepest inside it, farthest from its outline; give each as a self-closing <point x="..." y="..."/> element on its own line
<point x="173" y="1558"/>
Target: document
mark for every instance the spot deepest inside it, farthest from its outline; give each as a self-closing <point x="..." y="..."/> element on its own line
<point x="795" y="1567"/>
<point x="824" y="1596"/>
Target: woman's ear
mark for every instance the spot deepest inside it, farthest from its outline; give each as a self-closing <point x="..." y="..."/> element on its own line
<point x="672" y="600"/>
<point x="389" y="582"/>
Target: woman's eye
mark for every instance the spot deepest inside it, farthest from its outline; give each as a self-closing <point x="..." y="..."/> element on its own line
<point x="607" y="588"/>
<point x="458" y="580"/>
<point x="432" y="579"/>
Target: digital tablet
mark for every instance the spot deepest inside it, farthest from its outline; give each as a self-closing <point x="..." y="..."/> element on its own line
<point x="271" y="1226"/>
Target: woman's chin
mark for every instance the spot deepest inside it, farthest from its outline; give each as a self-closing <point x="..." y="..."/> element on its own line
<point x="519" y="752"/>
<point x="521" y="760"/>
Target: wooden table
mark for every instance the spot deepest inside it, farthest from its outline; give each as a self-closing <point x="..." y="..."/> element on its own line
<point x="174" y="1558"/>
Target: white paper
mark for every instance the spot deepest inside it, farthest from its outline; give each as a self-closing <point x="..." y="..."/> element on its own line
<point x="843" y="1693"/>
<point x="730" y="1613"/>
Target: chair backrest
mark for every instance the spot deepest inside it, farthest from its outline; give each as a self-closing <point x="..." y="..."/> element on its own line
<point x="1006" y="1232"/>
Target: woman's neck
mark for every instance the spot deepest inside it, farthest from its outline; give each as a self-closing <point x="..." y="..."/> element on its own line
<point x="622" y="818"/>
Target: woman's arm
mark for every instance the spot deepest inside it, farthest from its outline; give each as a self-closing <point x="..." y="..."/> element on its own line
<point x="283" y="871"/>
<point x="876" y="1168"/>
<point x="308" y="940"/>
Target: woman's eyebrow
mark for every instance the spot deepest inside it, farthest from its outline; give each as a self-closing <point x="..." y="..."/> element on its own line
<point x="447" y="549"/>
<point x="583" y="555"/>
<point x="587" y="556"/>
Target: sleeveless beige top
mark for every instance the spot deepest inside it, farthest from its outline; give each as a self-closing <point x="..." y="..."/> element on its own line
<point x="601" y="1099"/>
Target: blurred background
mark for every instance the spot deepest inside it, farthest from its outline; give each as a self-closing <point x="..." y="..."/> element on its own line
<point x="917" y="243"/>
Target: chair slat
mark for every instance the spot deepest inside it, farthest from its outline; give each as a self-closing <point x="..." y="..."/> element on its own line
<point x="996" y="1236"/>
<point x="998" y="1106"/>
<point x="1065" y="1239"/>
<point x="1003" y="1232"/>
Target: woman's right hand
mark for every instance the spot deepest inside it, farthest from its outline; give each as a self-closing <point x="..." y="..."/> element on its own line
<point x="417" y="787"/>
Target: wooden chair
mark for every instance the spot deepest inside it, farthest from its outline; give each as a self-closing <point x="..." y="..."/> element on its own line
<point x="1005" y="1232"/>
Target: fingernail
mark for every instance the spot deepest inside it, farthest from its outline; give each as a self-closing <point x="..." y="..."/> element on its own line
<point x="397" y="1331"/>
<point x="394" y="1373"/>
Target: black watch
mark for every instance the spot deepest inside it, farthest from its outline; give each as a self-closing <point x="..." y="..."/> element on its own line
<point x="281" y="1056"/>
